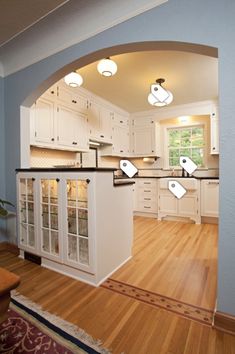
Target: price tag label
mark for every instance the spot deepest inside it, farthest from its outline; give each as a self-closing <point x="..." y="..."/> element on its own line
<point x="176" y="188"/>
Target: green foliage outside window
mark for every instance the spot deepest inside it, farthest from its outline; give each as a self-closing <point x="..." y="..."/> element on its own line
<point x="188" y="141"/>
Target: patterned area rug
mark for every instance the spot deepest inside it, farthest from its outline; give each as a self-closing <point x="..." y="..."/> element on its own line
<point x="180" y="308"/>
<point x="30" y="330"/>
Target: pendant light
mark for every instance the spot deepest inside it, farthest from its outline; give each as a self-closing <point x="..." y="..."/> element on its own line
<point x="73" y="79"/>
<point x="107" y="67"/>
<point x="159" y="96"/>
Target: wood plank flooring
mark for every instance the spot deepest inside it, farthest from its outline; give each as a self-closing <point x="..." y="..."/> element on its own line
<point x="124" y="325"/>
<point x="174" y="259"/>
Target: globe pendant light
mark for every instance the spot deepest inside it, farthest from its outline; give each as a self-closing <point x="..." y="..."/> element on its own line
<point x="159" y="96"/>
<point x="73" y="79"/>
<point x="107" y="67"/>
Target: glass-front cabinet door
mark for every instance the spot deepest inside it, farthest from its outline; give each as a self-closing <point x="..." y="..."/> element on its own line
<point x="78" y="241"/>
<point x="50" y="223"/>
<point x="26" y="213"/>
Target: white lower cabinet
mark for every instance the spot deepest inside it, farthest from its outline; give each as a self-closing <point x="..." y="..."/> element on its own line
<point x="146" y="200"/>
<point x="210" y="198"/>
<point x="61" y="219"/>
<point x="188" y="206"/>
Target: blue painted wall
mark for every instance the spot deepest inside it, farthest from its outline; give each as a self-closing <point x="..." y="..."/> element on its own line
<point x="2" y="158"/>
<point x="207" y="22"/>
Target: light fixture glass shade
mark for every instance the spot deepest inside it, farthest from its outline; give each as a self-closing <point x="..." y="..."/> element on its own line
<point x="73" y="79"/>
<point x="107" y="67"/>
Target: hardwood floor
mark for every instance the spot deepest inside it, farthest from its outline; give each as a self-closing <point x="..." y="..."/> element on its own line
<point x="124" y="325"/>
<point x="174" y="259"/>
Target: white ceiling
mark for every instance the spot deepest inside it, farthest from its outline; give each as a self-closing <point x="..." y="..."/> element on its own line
<point x="190" y="77"/>
<point x="18" y="15"/>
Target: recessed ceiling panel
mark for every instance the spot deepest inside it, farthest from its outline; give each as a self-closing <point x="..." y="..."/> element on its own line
<point x="190" y="77"/>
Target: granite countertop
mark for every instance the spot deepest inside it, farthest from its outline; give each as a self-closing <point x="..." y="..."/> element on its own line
<point x="66" y="169"/>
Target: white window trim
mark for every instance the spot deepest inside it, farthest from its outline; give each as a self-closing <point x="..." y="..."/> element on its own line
<point x="166" y="143"/>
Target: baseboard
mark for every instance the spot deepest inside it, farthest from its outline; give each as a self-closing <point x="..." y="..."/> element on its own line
<point x="209" y="220"/>
<point x="10" y="247"/>
<point x="224" y="322"/>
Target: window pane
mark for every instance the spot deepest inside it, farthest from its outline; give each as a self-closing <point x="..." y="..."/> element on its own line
<point x="174" y="138"/>
<point x="185" y="133"/>
<point x="185" y="142"/>
<point x="174" y="153"/>
<point x="173" y="162"/>
<point x="197" y="156"/>
<point x="197" y="132"/>
<point x="185" y="152"/>
<point x="197" y="142"/>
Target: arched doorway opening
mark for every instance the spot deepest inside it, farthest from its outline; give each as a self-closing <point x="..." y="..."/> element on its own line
<point x="178" y="229"/>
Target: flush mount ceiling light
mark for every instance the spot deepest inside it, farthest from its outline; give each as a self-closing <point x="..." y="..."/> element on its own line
<point x="73" y="79"/>
<point x="107" y="67"/>
<point x="159" y="96"/>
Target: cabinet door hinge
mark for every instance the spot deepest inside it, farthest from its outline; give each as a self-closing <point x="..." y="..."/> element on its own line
<point x="35" y="134"/>
<point x="57" y="109"/>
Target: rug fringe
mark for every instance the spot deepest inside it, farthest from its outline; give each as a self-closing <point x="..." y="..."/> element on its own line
<point x="68" y="327"/>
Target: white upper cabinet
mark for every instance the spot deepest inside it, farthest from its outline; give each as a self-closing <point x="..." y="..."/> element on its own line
<point x="106" y="124"/>
<point x="214" y="120"/>
<point x="43" y="113"/>
<point x="145" y="137"/>
<point x="94" y="120"/>
<point x="71" y="129"/>
<point x="72" y="99"/>
<point x="99" y="119"/>
<point x="120" y="136"/>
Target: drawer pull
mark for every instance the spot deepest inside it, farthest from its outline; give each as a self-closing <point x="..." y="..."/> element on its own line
<point x="147" y="182"/>
<point x="145" y="207"/>
<point x="147" y="198"/>
<point x="213" y="182"/>
<point x="147" y="191"/>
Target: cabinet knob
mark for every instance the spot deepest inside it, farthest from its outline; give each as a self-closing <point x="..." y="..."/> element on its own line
<point x="57" y="179"/>
<point x="121" y="121"/>
<point x="213" y="148"/>
<point x="74" y="101"/>
<point x="52" y="139"/>
<point x="74" y="143"/>
<point x="121" y="150"/>
<point x="33" y="179"/>
<point x="52" y="92"/>
<point x="88" y="180"/>
<point x="102" y="136"/>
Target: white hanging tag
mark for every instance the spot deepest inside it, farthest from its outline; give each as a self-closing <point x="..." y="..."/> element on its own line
<point x="159" y="92"/>
<point x="187" y="164"/>
<point x="176" y="188"/>
<point x="128" y="168"/>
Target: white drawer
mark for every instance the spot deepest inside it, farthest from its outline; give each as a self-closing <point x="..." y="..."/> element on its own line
<point x="147" y="206"/>
<point x="147" y="194"/>
<point x="147" y="183"/>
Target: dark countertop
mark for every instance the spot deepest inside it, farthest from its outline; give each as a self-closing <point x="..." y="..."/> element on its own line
<point x="122" y="182"/>
<point x="66" y="169"/>
<point x="173" y="177"/>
